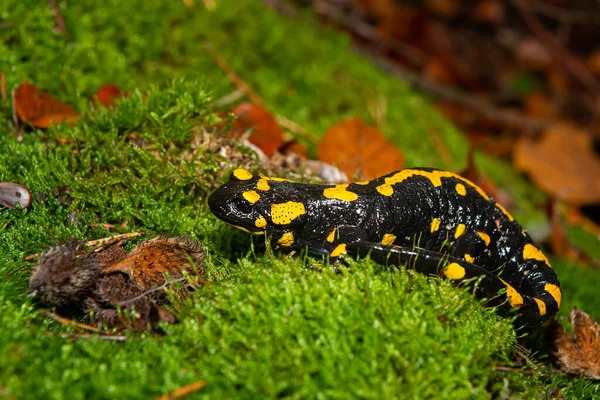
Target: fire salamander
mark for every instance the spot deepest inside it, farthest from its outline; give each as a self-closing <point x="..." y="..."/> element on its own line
<point x="434" y="221"/>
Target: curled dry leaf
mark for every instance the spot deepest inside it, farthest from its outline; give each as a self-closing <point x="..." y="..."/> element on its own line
<point x="120" y="289"/>
<point x="13" y="194"/>
<point x="39" y="109"/>
<point x="107" y="94"/>
<point x="266" y="133"/>
<point x="148" y="263"/>
<point x="579" y="353"/>
<point x="355" y="146"/>
<point x="562" y="163"/>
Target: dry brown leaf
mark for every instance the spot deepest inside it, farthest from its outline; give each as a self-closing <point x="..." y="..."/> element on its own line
<point x="148" y="263"/>
<point x="355" y="146"/>
<point x="40" y="109"/>
<point x="107" y="94"/>
<point x="579" y="353"/>
<point x="491" y="11"/>
<point x="266" y="133"/>
<point x="539" y="105"/>
<point x="562" y="163"/>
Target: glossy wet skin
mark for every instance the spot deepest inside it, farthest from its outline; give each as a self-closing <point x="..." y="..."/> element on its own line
<point x="438" y="212"/>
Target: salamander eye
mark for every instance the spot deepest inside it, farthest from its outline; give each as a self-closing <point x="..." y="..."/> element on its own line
<point x="244" y="207"/>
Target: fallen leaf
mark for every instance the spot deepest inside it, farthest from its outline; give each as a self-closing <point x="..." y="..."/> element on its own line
<point x="148" y="263"/>
<point x="491" y="11"/>
<point x="12" y="194"/>
<point x="294" y="146"/>
<point x="39" y="109"/>
<point x="579" y="353"/>
<point x="355" y="146"/>
<point x="266" y="133"/>
<point x="107" y="94"/>
<point x="115" y="288"/>
<point x="562" y="163"/>
<point x="539" y="105"/>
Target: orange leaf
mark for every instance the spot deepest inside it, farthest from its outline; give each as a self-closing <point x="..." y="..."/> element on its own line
<point x="353" y="145"/>
<point x="40" y="109"/>
<point x="107" y="94"/>
<point x="580" y="353"/>
<point x="562" y="163"/>
<point x="267" y="134"/>
<point x="147" y="264"/>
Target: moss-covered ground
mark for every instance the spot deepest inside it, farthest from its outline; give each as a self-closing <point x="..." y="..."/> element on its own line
<point x="267" y="326"/>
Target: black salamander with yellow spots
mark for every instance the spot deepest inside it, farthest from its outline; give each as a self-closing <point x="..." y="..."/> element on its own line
<point x="433" y="221"/>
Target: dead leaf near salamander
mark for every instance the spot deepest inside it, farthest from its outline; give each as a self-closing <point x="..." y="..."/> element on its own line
<point x="116" y="288"/>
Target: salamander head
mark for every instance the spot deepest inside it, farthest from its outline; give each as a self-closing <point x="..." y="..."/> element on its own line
<point x="236" y="202"/>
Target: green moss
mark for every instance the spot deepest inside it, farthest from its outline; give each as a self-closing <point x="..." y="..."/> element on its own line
<point x="268" y="326"/>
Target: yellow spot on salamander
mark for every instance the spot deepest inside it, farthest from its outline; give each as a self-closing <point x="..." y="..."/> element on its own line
<point x="515" y="299"/>
<point x="485" y="237"/>
<point x="362" y="182"/>
<point x="251" y="196"/>
<point x="541" y="306"/>
<point x="263" y="185"/>
<point x="469" y="258"/>
<point x="388" y="238"/>
<point x="286" y="240"/>
<point x="340" y="192"/>
<point x="385" y="189"/>
<point x="242" y="174"/>
<point x="339" y="250"/>
<point x="510" y="217"/>
<point x="260" y="222"/>
<point x="532" y="252"/>
<point x="554" y="292"/>
<point x="461" y="189"/>
<point x="279" y="179"/>
<point x="434" y="176"/>
<point x="285" y="213"/>
<point x="460" y="229"/>
<point x="435" y="224"/>
<point x="331" y="236"/>
<point x="454" y="271"/>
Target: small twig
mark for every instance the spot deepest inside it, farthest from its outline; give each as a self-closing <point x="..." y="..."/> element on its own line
<point x="504" y="368"/>
<point x="232" y="75"/>
<point x="112" y="338"/>
<point x="561" y="14"/>
<point x="151" y="290"/>
<point x="297" y="129"/>
<point x="253" y="96"/>
<point x="482" y="107"/>
<point x="17" y="130"/>
<point x="183" y="391"/>
<point x="3" y="86"/>
<point x="102" y="243"/>
<point x="569" y="62"/>
<point x="70" y="322"/>
<point x="229" y="98"/>
<point x="60" y="22"/>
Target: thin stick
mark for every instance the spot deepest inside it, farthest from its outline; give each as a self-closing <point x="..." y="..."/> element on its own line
<point x="3" y="86"/>
<point x="482" y="107"/>
<point x="112" y="338"/>
<point x="151" y="290"/>
<point x="102" y="243"/>
<point x="183" y="391"/>
<point x="70" y="322"/>
<point x="232" y="75"/>
<point x="60" y="22"/>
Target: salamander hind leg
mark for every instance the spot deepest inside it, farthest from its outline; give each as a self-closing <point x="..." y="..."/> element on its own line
<point x="430" y="263"/>
<point x="486" y="283"/>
